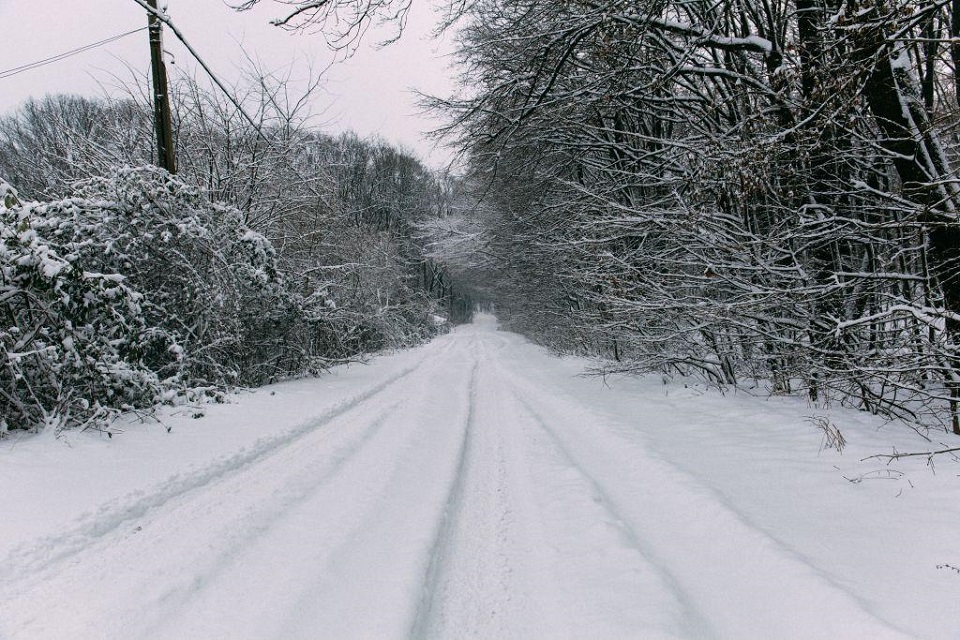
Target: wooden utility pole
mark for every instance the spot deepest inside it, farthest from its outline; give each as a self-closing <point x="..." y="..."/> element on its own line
<point x="163" y="122"/>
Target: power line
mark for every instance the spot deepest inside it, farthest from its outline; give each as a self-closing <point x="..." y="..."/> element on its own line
<point x="66" y="54"/>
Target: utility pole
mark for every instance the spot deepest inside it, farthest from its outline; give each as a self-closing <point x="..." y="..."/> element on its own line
<point x="161" y="96"/>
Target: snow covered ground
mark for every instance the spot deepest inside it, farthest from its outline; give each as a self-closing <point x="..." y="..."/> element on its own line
<point x="477" y="487"/>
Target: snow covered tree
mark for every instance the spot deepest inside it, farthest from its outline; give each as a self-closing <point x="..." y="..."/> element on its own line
<point x="735" y="189"/>
<point x="47" y="144"/>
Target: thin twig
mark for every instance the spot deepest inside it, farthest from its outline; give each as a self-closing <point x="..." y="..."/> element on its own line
<point x="890" y="457"/>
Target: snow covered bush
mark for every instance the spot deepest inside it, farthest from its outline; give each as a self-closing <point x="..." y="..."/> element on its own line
<point x="73" y="341"/>
<point x="133" y="289"/>
<point x="206" y="277"/>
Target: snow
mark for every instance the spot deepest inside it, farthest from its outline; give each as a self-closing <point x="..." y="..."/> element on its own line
<point x="755" y="43"/>
<point x="479" y="487"/>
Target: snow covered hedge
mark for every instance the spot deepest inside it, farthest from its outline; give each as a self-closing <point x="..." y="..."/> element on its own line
<point x="72" y="340"/>
<point x="131" y="290"/>
<point x="205" y="275"/>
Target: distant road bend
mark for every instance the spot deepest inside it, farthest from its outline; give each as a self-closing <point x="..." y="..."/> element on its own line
<point x="460" y="497"/>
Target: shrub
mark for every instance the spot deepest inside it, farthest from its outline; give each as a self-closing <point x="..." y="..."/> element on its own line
<point x="73" y="341"/>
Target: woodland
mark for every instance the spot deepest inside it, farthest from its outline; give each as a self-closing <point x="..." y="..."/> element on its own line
<point x="274" y="252"/>
<point x="758" y="193"/>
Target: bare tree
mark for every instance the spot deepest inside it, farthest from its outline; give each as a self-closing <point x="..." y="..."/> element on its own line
<point x="737" y="189"/>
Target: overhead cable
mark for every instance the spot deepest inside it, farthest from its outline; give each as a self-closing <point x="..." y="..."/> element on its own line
<point x="66" y="54"/>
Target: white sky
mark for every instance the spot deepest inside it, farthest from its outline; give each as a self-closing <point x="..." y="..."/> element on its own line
<point x="369" y="93"/>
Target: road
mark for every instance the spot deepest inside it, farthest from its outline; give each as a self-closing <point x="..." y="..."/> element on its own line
<point x="461" y="496"/>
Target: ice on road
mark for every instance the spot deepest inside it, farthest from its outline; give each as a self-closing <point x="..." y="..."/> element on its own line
<point x="459" y="490"/>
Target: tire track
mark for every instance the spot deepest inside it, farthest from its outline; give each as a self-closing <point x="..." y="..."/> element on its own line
<point x="388" y="551"/>
<point x="490" y="574"/>
<point x="35" y="556"/>
<point x="691" y="621"/>
<point x="168" y="573"/>
<point x="268" y="513"/>
<point x="453" y="503"/>
<point x="666" y="495"/>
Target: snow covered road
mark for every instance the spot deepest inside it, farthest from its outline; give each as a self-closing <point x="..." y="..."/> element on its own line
<point x="468" y="489"/>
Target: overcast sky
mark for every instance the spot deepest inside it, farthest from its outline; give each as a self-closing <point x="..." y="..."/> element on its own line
<point x="369" y="93"/>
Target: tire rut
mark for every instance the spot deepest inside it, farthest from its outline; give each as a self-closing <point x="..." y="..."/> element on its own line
<point x="439" y="549"/>
<point x="690" y="620"/>
<point x="674" y="496"/>
<point x="35" y="556"/>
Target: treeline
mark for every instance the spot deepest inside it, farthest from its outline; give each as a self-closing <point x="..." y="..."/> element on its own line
<point x="740" y="190"/>
<point x="276" y="251"/>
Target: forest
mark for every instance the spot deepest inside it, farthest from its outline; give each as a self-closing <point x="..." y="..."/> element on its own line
<point x="756" y="193"/>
